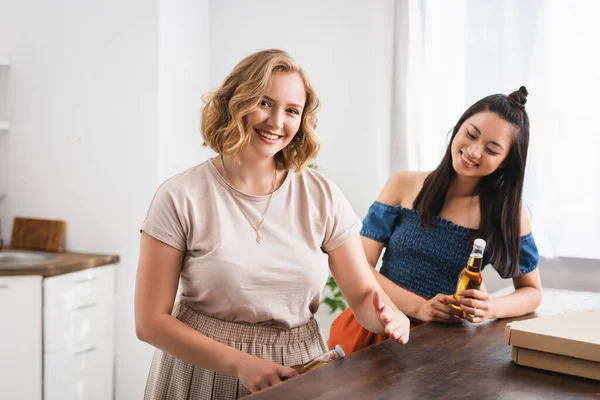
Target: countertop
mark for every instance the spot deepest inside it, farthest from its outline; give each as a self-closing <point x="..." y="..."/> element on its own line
<point x="62" y="263"/>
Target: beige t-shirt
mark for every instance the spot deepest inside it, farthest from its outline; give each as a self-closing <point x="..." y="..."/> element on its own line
<point x="226" y="274"/>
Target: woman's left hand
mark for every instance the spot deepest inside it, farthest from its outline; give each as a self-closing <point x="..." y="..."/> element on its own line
<point x="397" y="325"/>
<point x="478" y="308"/>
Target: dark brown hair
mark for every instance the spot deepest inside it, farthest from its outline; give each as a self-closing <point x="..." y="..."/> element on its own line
<point x="499" y="192"/>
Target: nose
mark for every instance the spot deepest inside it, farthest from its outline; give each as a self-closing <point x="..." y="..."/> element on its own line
<point x="276" y="118"/>
<point x="475" y="150"/>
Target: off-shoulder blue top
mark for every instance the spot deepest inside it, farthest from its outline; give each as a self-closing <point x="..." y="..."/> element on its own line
<point x="427" y="262"/>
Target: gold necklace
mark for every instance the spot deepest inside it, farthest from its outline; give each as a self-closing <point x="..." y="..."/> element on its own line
<point x="239" y="204"/>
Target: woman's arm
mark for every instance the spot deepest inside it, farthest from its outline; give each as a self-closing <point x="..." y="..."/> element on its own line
<point x="407" y="302"/>
<point x="402" y="187"/>
<point x="398" y="186"/>
<point x="525" y="299"/>
<point x="377" y="313"/>
<point x="156" y="287"/>
<point x="436" y="309"/>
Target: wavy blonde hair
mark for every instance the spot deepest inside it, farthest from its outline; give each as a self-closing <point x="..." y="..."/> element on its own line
<point x="223" y="123"/>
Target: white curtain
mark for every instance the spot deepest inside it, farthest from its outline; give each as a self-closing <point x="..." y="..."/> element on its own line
<point x="450" y="54"/>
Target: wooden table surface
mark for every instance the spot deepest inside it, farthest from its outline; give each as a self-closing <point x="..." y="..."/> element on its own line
<point x="464" y="361"/>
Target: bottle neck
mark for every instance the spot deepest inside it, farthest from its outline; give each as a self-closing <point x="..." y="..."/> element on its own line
<point x="475" y="262"/>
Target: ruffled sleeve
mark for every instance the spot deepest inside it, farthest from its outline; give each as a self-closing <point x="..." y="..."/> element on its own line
<point x="530" y="258"/>
<point x="380" y="221"/>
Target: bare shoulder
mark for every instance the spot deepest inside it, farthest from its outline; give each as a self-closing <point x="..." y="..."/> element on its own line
<point x="525" y="220"/>
<point x="402" y="186"/>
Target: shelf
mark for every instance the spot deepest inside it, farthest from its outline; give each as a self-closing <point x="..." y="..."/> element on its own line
<point x="4" y="61"/>
<point x="4" y="125"/>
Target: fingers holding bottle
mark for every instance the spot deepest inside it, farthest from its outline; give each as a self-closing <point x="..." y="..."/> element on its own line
<point x="477" y="305"/>
<point x="439" y="308"/>
<point x="257" y="374"/>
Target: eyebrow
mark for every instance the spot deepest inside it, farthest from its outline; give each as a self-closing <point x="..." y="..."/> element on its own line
<point x="491" y="142"/>
<point x="290" y="104"/>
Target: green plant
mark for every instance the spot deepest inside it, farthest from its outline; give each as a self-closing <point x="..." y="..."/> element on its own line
<point x="337" y="300"/>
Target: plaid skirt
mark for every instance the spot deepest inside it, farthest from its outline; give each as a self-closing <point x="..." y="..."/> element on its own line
<point x="173" y="379"/>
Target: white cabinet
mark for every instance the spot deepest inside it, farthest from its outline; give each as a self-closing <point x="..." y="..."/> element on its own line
<point x="84" y="371"/>
<point x="78" y="335"/>
<point x="78" y="307"/>
<point x="21" y="337"/>
<point x="75" y="312"/>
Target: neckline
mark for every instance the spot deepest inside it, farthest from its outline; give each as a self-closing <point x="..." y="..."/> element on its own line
<point x="440" y="220"/>
<point x="250" y="197"/>
<point x="443" y="221"/>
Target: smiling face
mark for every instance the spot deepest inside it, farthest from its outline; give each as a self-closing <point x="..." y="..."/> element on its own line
<point x="481" y="145"/>
<point x="277" y="118"/>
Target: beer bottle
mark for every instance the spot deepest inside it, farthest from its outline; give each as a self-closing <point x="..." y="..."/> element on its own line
<point x="470" y="276"/>
<point x="336" y="353"/>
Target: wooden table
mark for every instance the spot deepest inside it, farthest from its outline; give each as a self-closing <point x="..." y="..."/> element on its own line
<point x="445" y="362"/>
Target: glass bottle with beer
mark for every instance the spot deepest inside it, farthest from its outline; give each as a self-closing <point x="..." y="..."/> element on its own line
<point x="470" y="276"/>
<point x="334" y="354"/>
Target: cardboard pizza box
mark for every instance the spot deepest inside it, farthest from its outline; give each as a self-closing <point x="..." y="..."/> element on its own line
<point x="568" y="343"/>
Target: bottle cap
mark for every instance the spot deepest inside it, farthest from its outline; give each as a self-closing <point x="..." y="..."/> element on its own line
<point x="339" y="350"/>
<point x="479" y="243"/>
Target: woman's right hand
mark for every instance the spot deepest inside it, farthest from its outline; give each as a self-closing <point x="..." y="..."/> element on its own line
<point x="439" y="308"/>
<point x="257" y="374"/>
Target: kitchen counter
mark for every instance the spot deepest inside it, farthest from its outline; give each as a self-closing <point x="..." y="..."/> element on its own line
<point x="58" y="264"/>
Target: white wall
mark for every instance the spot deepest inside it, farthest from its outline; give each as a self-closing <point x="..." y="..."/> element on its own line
<point x="346" y="49"/>
<point x="183" y="66"/>
<point x="82" y="92"/>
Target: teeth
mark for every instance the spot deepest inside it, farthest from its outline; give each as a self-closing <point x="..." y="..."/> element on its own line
<point x="267" y="135"/>
<point x="471" y="163"/>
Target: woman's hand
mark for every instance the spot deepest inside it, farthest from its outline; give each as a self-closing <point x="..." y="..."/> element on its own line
<point x="439" y="308"/>
<point x="478" y="308"/>
<point x="397" y="325"/>
<point x="257" y="374"/>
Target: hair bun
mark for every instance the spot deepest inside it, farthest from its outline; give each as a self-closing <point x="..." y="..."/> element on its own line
<point x="519" y="96"/>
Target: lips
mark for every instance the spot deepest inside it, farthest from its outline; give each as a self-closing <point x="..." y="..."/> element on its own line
<point x="267" y="135"/>
<point x="467" y="161"/>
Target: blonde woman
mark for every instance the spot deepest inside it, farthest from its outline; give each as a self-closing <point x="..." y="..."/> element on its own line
<point x="250" y="233"/>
